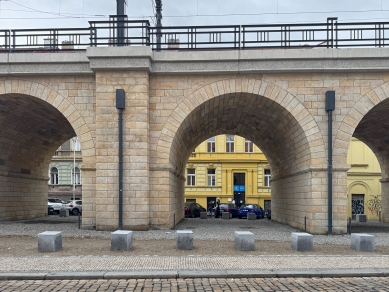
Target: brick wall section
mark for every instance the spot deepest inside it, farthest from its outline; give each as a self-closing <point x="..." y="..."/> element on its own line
<point x="136" y="150"/>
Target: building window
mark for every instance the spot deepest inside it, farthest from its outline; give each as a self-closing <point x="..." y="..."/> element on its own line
<point x="267" y="177"/>
<point x="191" y="180"/>
<point x="248" y="146"/>
<point x="230" y="143"/>
<point x="54" y="176"/>
<point x="76" y="175"/>
<point x="75" y="144"/>
<point x="211" y="144"/>
<point x="211" y="177"/>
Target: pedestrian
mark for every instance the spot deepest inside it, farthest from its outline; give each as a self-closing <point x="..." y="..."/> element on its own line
<point x="217" y="208"/>
<point x="211" y="205"/>
<point x="268" y="214"/>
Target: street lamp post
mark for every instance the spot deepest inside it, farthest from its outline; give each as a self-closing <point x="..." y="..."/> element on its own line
<point x="74" y="166"/>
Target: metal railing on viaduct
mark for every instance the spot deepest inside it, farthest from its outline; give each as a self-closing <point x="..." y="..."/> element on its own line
<point x="329" y="34"/>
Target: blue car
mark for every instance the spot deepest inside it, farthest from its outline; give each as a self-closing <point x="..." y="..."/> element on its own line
<point x="254" y="208"/>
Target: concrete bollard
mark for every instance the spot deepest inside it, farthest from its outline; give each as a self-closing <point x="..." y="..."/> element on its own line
<point x="244" y="240"/>
<point x="203" y="215"/>
<point x="360" y="218"/>
<point x="64" y="213"/>
<point x="302" y="241"/>
<point x="50" y="241"/>
<point x="184" y="239"/>
<point x="251" y="216"/>
<point x="226" y="215"/>
<point x="121" y="240"/>
<point x="362" y="242"/>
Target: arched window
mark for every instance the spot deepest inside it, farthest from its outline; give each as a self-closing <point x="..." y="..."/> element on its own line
<point x="76" y="176"/>
<point x="53" y="176"/>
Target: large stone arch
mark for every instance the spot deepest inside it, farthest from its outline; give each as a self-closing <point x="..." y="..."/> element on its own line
<point x="367" y="121"/>
<point x="298" y="169"/>
<point x="35" y="120"/>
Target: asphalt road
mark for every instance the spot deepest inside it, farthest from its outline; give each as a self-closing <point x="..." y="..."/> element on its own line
<point x="203" y="284"/>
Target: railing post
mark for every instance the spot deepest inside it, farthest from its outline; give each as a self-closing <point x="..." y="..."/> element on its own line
<point x="332" y="32"/>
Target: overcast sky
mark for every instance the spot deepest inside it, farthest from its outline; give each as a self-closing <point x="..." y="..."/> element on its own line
<point x="23" y="14"/>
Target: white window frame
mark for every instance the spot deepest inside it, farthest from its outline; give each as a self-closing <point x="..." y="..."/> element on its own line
<point x="248" y="146"/>
<point x="77" y="175"/>
<point x="191" y="177"/>
<point x="211" y="177"/>
<point x="230" y="141"/>
<point x="267" y="177"/>
<point x="54" y="176"/>
<point x="211" y="145"/>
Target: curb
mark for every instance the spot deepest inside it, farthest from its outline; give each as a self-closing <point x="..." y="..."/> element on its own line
<point x="315" y="273"/>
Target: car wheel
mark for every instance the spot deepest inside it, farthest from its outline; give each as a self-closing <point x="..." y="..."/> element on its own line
<point x="75" y="212"/>
<point x="240" y="217"/>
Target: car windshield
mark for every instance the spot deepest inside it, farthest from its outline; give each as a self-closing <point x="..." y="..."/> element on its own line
<point x="248" y="206"/>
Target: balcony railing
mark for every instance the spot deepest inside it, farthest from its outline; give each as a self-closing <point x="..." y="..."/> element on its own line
<point x="118" y="31"/>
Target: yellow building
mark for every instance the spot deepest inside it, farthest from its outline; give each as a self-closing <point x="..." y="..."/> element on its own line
<point x="230" y="168"/>
<point x="233" y="169"/>
<point x="363" y="181"/>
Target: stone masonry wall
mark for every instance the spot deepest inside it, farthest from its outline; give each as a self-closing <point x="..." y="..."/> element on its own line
<point x="136" y="201"/>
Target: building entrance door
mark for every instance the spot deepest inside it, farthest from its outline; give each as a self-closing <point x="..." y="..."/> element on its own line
<point x="358" y="204"/>
<point x="239" y="189"/>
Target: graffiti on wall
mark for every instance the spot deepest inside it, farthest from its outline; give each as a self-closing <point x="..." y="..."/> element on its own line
<point x="357" y="206"/>
<point x="374" y="205"/>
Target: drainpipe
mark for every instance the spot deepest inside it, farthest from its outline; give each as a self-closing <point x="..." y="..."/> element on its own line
<point x="330" y="107"/>
<point x="120" y="105"/>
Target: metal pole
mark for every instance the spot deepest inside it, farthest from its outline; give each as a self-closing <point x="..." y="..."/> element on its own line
<point x="330" y="106"/>
<point x="74" y="167"/>
<point x="158" y="7"/>
<point x="120" y="11"/>
<point x="120" y="105"/>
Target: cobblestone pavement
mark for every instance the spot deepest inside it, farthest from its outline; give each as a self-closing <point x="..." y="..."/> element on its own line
<point x="203" y="284"/>
<point x="165" y="263"/>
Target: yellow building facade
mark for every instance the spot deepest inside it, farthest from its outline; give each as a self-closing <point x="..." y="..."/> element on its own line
<point x="230" y="168"/>
<point x="363" y="181"/>
<point x="233" y="169"/>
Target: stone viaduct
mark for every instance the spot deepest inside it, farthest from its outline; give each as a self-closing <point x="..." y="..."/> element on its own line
<point x="174" y="101"/>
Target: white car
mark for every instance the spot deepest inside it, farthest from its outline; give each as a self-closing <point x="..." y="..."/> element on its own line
<point x="74" y="207"/>
<point x="56" y="204"/>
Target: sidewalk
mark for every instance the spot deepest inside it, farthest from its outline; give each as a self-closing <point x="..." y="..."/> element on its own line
<point x="86" y="259"/>
<point x="131" y="267"/>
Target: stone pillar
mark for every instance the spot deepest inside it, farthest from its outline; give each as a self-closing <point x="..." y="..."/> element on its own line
<point x="385" y="200"/>
<point x="88" y="195"/>
<point x="135" y="149"/>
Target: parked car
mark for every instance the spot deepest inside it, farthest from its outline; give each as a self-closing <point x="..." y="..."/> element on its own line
<point x="74" y="207"/>
<point x="55" y="203"/>
<point x="193" y="209"/>
<point x="231" y="208"/>
<point x="255" y="208"/>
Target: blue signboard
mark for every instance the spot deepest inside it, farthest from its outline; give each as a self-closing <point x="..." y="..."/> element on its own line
<point x="239" y="188"/>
